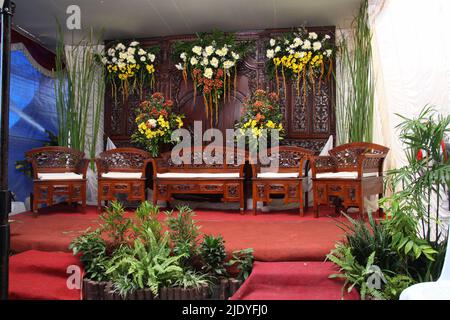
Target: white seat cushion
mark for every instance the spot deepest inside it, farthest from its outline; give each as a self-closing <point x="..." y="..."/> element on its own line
<point x="277" y="175"/>
<point x="183" y="175"/>
<point x="344" y="175"/>
<point x="60" y="176"/>
<point x="122" y="175"/>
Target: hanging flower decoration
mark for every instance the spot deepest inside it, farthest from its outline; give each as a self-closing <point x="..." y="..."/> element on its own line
<point x="211" y="62"/>
<point x="130" y="68"/>
<point x="299" y="56"/>
<point x="155" y="122"/>
<point x="261" y="112"/>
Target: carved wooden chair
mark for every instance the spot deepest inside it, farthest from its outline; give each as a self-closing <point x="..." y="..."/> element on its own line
<point x="288" y="178"/>
<point x="350" y="173"/>
<point x="202" y="175"/>
<point x="121" y="171"/>
<point x="58" y="171"/>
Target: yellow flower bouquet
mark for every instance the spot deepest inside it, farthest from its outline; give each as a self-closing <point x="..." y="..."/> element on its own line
<point x="155" y="123"/>
<point x="261" y="114"/>
<point x="300" y="56"/>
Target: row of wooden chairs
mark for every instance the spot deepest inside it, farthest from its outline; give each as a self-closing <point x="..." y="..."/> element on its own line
<point x="344" y="178"/>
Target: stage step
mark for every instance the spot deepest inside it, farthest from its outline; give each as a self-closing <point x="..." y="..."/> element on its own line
<point x="293" y="281"/>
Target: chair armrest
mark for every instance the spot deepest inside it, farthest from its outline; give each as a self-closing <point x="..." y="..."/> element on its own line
<point x="256" y="167"/>
<point x="83" y="166"/>
<point x="154" y="162"/>
<point x="322" y="164"/>
<point x="34" y="168"/>
<point x="370" y="163"/>
<point x="102" y="167"/>
<point x="144" y="166"/>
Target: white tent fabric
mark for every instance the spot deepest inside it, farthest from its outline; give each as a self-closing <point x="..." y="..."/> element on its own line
<point x="411" y="56"/>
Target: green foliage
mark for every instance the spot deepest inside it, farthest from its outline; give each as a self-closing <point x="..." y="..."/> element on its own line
<point x="365" y="238"/>
<point x="354" y="107"/>
<point x="93" y="254"/>
<point x="115" y="224"/>
<point x="192" y="280"/>
<point x="353" y="273"/>
<point x="183" y="233"/>
<point x="243" y="259"/>
<point x="147" y="224"/>
<point x="137" y="254"/>
<point x="145" y="265"/>
<point x="423" y="178"/>
<point x="213" y="254"/>
<point x="395" y="285"/>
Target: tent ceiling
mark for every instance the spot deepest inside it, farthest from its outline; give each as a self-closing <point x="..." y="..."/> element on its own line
<point x="146" y="18"/>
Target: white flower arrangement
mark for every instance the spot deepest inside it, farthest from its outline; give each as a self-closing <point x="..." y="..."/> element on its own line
<point x="210" y="61"/>
<point x="133" y="62"/>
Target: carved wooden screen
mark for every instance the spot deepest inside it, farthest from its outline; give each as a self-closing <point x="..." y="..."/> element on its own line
<point x="308" y="125"/>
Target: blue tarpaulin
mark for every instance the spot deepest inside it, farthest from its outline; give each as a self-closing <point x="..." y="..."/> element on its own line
<point x="32" y="112"/>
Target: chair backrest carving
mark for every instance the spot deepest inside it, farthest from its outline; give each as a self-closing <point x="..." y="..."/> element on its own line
<point x="124" y="159"/>
<point x="55" y="159"/>
<point x="289" y="158"/>
<point x="201" y="159"/>
<point x="346" y="155"/>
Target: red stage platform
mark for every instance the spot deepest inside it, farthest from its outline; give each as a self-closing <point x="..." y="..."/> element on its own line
<point x="280" y="236"/>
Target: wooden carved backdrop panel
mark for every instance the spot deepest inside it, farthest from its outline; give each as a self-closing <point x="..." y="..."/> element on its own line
<point x="308" y="124"/>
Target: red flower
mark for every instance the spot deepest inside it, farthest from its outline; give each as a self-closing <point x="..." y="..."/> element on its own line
<point x="273" y="96"/>
<point x="218" y="83"/>
<point x="168" y="104"/>
<point x="258" y="104"/>
<point x="154" y="112"/>
<point x="219" y="73"/>
<point x="158" y="96"/>
<point x="164" y="113"/>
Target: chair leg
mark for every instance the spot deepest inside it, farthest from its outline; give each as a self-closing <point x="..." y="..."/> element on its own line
<point x="300" y="193"/>
<point x="380" y="209"/>
<point x="315" y="204"/>
<point x="361" y="206"/>
<point x="241" y="198"/>
<point x="35" y="201"/>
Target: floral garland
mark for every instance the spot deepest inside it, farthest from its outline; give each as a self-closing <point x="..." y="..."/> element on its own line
<point x="299" y="55"/>
<point x="261" y="112"/>
<point x="130" y="67"/>
<point x="211" y="62"/>
<point x="155" y="123"/>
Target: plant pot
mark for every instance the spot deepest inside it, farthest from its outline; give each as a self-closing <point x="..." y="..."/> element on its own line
<point x="102" y="290"/>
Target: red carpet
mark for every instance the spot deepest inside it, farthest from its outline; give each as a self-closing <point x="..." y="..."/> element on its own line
<point x="274" y="236"/>
<point x="292" y="281"/>
<point x="41" y="275"/>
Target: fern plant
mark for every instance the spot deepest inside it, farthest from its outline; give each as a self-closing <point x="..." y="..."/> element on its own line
<point x="148" y="265"/>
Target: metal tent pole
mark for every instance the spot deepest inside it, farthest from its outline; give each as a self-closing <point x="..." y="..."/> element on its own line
<point x="6" y="11"/>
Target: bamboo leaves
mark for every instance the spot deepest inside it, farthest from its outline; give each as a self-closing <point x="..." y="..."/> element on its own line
<point x="79" y="89"/>
<point x="354" y="107"/>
